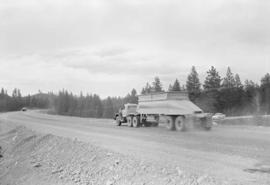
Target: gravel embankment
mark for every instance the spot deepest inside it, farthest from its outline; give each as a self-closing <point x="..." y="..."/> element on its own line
<point x="32" y="158"/>
<point x="45" y="149"/>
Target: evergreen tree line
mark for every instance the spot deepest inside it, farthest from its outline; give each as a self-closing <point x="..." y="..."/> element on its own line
<point x="90" y="105"/>
<point x="66" y="103"/>
<point x="227" y="95"/>
<point x="16" y="101"/>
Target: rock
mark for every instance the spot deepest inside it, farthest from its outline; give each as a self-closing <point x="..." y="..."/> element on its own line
<point x="57" y="171"/>
<point x="167" y="180"/>
<point x="77" y="180"/>
<point x="116" y="177"/>
<point x="77" y="172"/>
<point x="14" y="138"/>
<point x="179" y="171"/>
<point x="109" y="154"/>
<point x="109" y="182"/>
<point x="201" y="179"/>
<point x="143" y="167"/>
<point x="111" y="168"/>
<point x="117" y="161"/>
<point x="93" y="158"/>
<point x="37" y="165"/>
<point x="164" y="171"/>
<point x="84" y="183"/>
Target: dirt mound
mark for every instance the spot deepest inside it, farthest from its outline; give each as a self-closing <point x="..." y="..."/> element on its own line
<point x="32" y="158"/>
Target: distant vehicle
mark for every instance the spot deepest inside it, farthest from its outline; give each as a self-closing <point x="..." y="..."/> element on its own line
<point x="24" y="109"/>
<point x="218" y="117"/>
<point x="173" y="107"/>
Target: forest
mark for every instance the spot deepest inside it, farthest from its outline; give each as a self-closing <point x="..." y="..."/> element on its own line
<point x="215" y="94"/>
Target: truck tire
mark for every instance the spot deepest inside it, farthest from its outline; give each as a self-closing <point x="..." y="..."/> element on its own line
<point x="180" y="124"/>
<point x="129" y="121"/>
<point x="156" y="123"/>
<point x="118" y="121"/>
<point x="136" y="121"/>
<point x="170" y="125"/>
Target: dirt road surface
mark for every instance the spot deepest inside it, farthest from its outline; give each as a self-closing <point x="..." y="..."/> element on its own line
<point x="226" y="154"/>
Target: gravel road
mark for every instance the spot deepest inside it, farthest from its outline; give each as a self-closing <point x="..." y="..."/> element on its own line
<point x="229" y="154"/>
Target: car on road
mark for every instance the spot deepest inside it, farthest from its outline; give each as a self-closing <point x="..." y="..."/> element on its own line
<point x="24" y="109"/>
<point x="218" y="117"/>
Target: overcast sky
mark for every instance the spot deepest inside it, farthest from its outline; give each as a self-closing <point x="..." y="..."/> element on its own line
<point x="110" y="46"/>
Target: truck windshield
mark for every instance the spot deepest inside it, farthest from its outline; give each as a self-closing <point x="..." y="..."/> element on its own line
<point x="132" y="108"/>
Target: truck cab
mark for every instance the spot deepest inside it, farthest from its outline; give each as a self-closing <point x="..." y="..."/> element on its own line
<point x="128" y="110"/>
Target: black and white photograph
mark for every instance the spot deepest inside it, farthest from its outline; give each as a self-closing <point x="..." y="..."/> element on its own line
<point x="134" y="92"/>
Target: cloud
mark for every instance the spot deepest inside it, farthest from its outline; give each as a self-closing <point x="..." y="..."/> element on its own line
<point x="111" y="52"/>
<point x="102" y="44"/>
<point x="116" y="61"/>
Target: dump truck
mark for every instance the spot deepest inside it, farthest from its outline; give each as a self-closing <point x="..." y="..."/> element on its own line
<point x="174" y="108"/>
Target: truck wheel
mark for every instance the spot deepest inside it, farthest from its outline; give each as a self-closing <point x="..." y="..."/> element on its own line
<point x="118" y="121"/>
<point x="129" y="121"/>
<point x="136" y="121"/>
<point x="180" y="123"/>
<point x="170" y="123"/>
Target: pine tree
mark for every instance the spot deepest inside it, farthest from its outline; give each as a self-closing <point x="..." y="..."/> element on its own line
<point x="212" y="80"/>
<point x="2" y="92"/>
<point x="14" y="93"/>
<point x="80" y="104"/>
<point x="146" y="89"/>
<point x="97" y="106"/>
<point x="193" y="83"/>
<point x="249" y="84"/>
<point x="157" y="86"/>
<point x="265" y="93"/>
<point x="3" y="101"/>
<point x="229" y="81"/>
<point x="143" y="91"/>
<point x="250" y="97"/>
<point x="176" y="86"/>
<point x="108" y="108"/>
<point x="183" y="88"/>
<point x="265" y="81"/>
<point x="170" y="88"/>
<point x="238" y="82"/>
<point x="133" y="97"/>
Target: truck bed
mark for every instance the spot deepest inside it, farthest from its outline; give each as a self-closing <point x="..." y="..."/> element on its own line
<point x="167" y="103"/>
